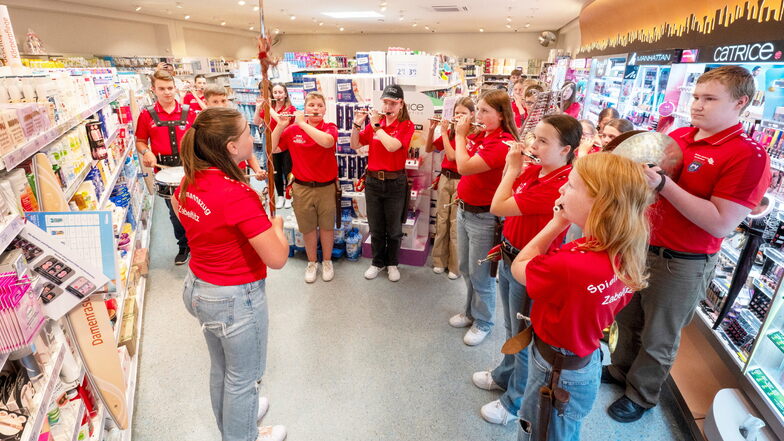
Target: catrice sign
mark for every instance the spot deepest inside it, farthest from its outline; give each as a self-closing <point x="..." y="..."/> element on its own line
<point x="762" y="52"/>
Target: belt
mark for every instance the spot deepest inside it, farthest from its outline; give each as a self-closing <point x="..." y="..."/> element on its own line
<point x="476" y="209"/>
<point x="313" y="183"/>
<point x="383" y="175"/>
<point x="451" y="174"/>
<point x="670" y="254"/>
<point x="569" y="362"/>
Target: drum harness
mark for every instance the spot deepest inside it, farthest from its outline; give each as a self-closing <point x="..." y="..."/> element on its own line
<point x="172" y="160"/>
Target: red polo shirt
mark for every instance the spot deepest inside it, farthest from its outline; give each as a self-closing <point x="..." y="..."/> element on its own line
<point x="727" y="165"/>
<point x="190" y="99"/>
<point x="310" y="161"/>
<point x="445" y="163"/>
<point x="519" y="117"/>
<point x="573" y="110"/>
<point x="379" y="158"/>
<point x="158" y="137"/>
<point x="535" y="197"/>
<point x="219" y="216"/>
<point x="478" y="189"/>
<point x="575" y="296"/>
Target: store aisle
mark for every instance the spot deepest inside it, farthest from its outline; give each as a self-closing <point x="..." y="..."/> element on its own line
<point x="352" y="360"/>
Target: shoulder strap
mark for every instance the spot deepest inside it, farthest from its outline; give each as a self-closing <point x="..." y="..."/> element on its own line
<point x="184" y="115"/>
<point x="153" y="114"/>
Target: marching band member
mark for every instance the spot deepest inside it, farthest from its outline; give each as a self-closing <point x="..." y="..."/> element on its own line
<point x="159" y="129"/>
<point x="588" y="141"/>
<point x="525" y="198"/>
<point x="577" y="290"/>
<point x="195" y="97"/>
<point x="233" y="243"/>
<point x="311" y="142"/>
<point x="569" y="104"/>
<point x="480" y="161"/>
<point x="445" y="244"/>
<point x="386" y="188"/>
<point x="613" y="129"/>
<point x="605" y="116"/>
<point x="281" y="104"/>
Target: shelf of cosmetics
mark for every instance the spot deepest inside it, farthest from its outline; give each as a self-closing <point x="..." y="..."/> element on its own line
<point x="44" y="394"/>
<point x="752" y="332"/>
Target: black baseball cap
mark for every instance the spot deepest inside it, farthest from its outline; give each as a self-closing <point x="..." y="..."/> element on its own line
<point x="393" y="91"/>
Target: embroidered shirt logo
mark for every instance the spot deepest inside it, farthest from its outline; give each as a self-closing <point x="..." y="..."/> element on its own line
<point x="694" y="166"/>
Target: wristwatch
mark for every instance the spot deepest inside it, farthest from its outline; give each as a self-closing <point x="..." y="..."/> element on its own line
<point x="144" y="152"/>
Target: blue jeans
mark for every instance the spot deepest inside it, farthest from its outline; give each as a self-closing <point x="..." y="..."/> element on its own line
<point x="234" y="321"/>
<point x="475" y="237"/>
<point x="582" y="385"/>
<point x="512" y="373"/>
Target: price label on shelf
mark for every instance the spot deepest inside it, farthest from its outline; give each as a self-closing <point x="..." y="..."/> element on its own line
<point x="768" y="388"/>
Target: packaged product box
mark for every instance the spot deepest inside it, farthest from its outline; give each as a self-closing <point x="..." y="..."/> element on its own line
<point x="7" y="143"/>
<point x="128" y="326"/>
<point x="141" y="259"/>
<point x="26" y="114"/>
<point x="14" y="126"/>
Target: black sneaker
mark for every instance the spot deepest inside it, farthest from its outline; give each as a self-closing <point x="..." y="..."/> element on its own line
<point x="182" y="256"/>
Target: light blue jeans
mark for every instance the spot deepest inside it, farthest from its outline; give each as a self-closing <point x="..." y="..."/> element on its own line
<point x="234" y="321"/>
<point x="475" y="234"/>
<point x="512" y="373"/>
<point x="582" y="385"/>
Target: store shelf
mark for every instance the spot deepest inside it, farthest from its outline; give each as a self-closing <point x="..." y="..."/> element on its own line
<point x="759" y="285"/>
<point x="435" y="87"/>
<point x="767" y="389"/>
<point x="32" y="146"/>
<point x="10" y="230"/>
<point x="777" y="164"/>
<point x="718" y="334"/>
<point x="778" y="125"/>
<point x="79" y="416"/>
<point x="113" y="180"/>
<point x="730" y="252"/>
<point x="319" y="69"/>
<point x="71" y="190"/>
<point x="110" y="139"/>
<point x="43" y="398"/>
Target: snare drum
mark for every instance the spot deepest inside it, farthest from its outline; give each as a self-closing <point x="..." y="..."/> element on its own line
<point x="167" y="180"/>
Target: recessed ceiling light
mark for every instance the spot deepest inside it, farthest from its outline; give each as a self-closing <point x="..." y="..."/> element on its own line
<point x="508" y="18"/>
<point x="293" y="17"/>
<point x="401" y="18"/>
<point x="321" y="23"/>
<point x="481" y="29"/>
<point x="427" y="27"/>
<point x="223" y="23"/>
<point x="414" y="25"/>
<point x="138" y="8"/>
<point x="383" y="8"/>
<point x="187" y="17"/>
<point x="277" y="31"/>
<point x="255" y="9"/>
<point x="528" y="25"/>
<point x="353" y="14"/>
<point x="508" y="26"/>
<point x="250" y="28"/>
<point x="342" y="29"/>
<point x="241" y="2"/>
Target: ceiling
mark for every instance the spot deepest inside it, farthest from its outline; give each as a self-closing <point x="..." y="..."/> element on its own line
<point x="417" y="16"/>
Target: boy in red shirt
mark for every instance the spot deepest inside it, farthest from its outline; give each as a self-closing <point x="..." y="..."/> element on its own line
<point x="195" y="97"/>
<point x="159" y="130"/>
<point x="724" y="176"/>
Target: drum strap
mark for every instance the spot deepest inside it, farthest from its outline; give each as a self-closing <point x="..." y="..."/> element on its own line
<point x="171" y="125"/>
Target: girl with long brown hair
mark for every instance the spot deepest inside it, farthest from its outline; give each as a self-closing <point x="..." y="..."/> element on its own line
<point x="281" y="104"/>
<point x="579" y="289"/>
<point x="232" y="243"/>
<point x="445" y="244"/>
<point x="480" y="160"/>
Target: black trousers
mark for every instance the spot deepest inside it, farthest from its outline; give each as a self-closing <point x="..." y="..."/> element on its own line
<point x="179" y="230"/>
<point x="386" y="203"/>
<point x="282" y="163"/>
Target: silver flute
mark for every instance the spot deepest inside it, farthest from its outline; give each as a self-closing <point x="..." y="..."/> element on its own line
<point x="366" y="111"/>
<point x="291" y="115"/>
<point x="533" y="158"/>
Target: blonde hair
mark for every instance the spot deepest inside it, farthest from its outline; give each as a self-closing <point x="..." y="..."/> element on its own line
<point x="213" y="90"/>
<point x="738" y="80"/>
<point x="161" y="75"/>
<point x="618" y="221"/>
<point x="315" y="96"/>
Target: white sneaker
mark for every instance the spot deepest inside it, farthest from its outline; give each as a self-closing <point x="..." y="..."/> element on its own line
<point x="327" y="270"/>
<point x="438" y="270"/>
<point x="272" y="433"/>
<point x="372" y="272"/>
<point x="279" y="202"/>
<point x="263" y="407"/>
<point x="311" y="271"/>
<point x="495" y="412"/>
<point x="453" y="276"/>
<point x="287" y="204"/>
<point x="460" y="321"/>
<point x="474" y="336"/>
<point x="393" y="273"/>
<point x="484" y="380"/>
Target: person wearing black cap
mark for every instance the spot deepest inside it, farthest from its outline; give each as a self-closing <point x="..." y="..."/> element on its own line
<point x="388" y="134"/>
